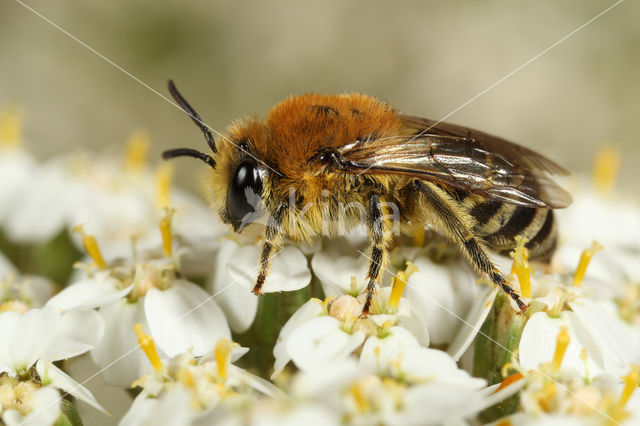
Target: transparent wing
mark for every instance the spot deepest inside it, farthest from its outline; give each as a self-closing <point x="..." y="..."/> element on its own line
<point x="462" y="158"/>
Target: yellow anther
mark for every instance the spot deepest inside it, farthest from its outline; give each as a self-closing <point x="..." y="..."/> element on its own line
<point x="135" y="157"/>
<point x="418" y="237"/>
<point x="631" y="382"/>
<point x="10" y="127"/>
<point x="399" y="282"/>
<point x="91" y="246"/>
<point x="148" y="346"/>
<point x="509" y="380"/>
<point x="360" y="400"/>
<point x="164" y="175"/>
<point x="165" y="231"/>
<point x="605" y="170"/>
<point x="222" y="353"/>
<point x="520" y="266"/>
<point x="585" y="259"/>
<point x="562" y="342"/>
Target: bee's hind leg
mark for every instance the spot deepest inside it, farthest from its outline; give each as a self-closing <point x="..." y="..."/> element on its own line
<point x="379" y="228"/>
<point x="453" y="222"/>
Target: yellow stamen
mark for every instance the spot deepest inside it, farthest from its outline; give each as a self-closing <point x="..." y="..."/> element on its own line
<point x="509" y="380"/>
<point x="222" y="353"/>
<point x="135" y="157"/>
<point x="418" y="237"/>
<point x="164" y="175"/>
<point x="148" y="346"/>
<point x="10" y="127"/>
<point x="584" y="356"/>
<point x="631" y="382"/>
<point x="562" y="342"/>
<point x="585" y="259"/>
<point x="165" y="231"/>
<point x="399" y="282"/>
<point x="520" y="266"/>
<point x="605" y="170"/>
<point x="546" y="394"/>
<point x="361" y="402"/>
<point x="91" y="246"/>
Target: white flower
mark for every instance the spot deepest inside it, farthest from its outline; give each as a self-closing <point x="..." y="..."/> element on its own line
<point x="20" y="293"/>
<point x="451" y="304"/>
<point x="235" y="271"/>
<point x="147" y="290"/>
<point x="400" y="384"/>
<point x="323" y="332"/>
<point x="39" y="337"/>
<point x="118" y="200"/>
<point x="187" y="388"/>
<point x="16" y="165"/>
<point x="39" y="406"/>
<point x="611" y="219"/>
<point x="341" y="268"/>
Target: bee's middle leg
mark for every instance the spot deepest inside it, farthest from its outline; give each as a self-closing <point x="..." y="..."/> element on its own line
<point x="379" y="227"/>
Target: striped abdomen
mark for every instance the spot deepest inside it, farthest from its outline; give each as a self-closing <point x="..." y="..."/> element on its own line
<point x="498" y="224"/>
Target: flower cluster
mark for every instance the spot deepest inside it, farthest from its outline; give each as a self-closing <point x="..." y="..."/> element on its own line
<point x="155" y="296"/>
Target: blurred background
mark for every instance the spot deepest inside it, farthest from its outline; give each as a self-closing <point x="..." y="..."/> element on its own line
<point x="232" y="59"/>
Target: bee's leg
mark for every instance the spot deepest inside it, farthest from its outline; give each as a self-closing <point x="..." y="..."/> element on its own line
<point x="450" y="219"/>
<point x="379" y="227"/>
<point x="273" y="238"/>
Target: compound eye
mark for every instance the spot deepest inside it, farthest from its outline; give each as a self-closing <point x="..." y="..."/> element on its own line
<point x="243" y="195"/>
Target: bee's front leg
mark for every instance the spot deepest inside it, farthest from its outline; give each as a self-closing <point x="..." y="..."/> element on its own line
<point x="274" y="236"/>
<point x="379" y="226"/>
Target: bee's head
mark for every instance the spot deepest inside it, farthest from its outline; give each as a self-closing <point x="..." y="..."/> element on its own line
<point x="238" y="177"/>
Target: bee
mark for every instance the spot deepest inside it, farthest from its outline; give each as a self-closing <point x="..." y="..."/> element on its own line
<point x="313" y="150"/>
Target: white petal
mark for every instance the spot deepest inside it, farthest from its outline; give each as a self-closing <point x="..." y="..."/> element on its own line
<point x="172" y="408"/>
<point x="45" y="412"/>
<point x="89" y="294"/>
<point x="289" y="269"/>
<point x="619" y="346"/>
<point x="73" y="333"/>
<point x="376" y="352"/>
<point x="43" y="209"/>
<point x="320" y="341"/>
<point x="335" y="269"/>
<point x="306" y="312"/>
<point x="434" y="403"/>
<point x="538" y="342"/>
<point x="59" y="379"/>
<point x="184" y="317"/>
<point x="256" y="382"/>
<point x="237" y="302"/>
<point x="31" y="336"/>
<point x="330" y="379"/>
<point x="472" y="323"/>
<point x="118" y="355"/>
<point x="5" y="267"/>
<point x="442" y="293"/>
<point x="8" y="323"/>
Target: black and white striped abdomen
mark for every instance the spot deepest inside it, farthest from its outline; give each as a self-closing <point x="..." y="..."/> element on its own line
<point x="498" y="224"/>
